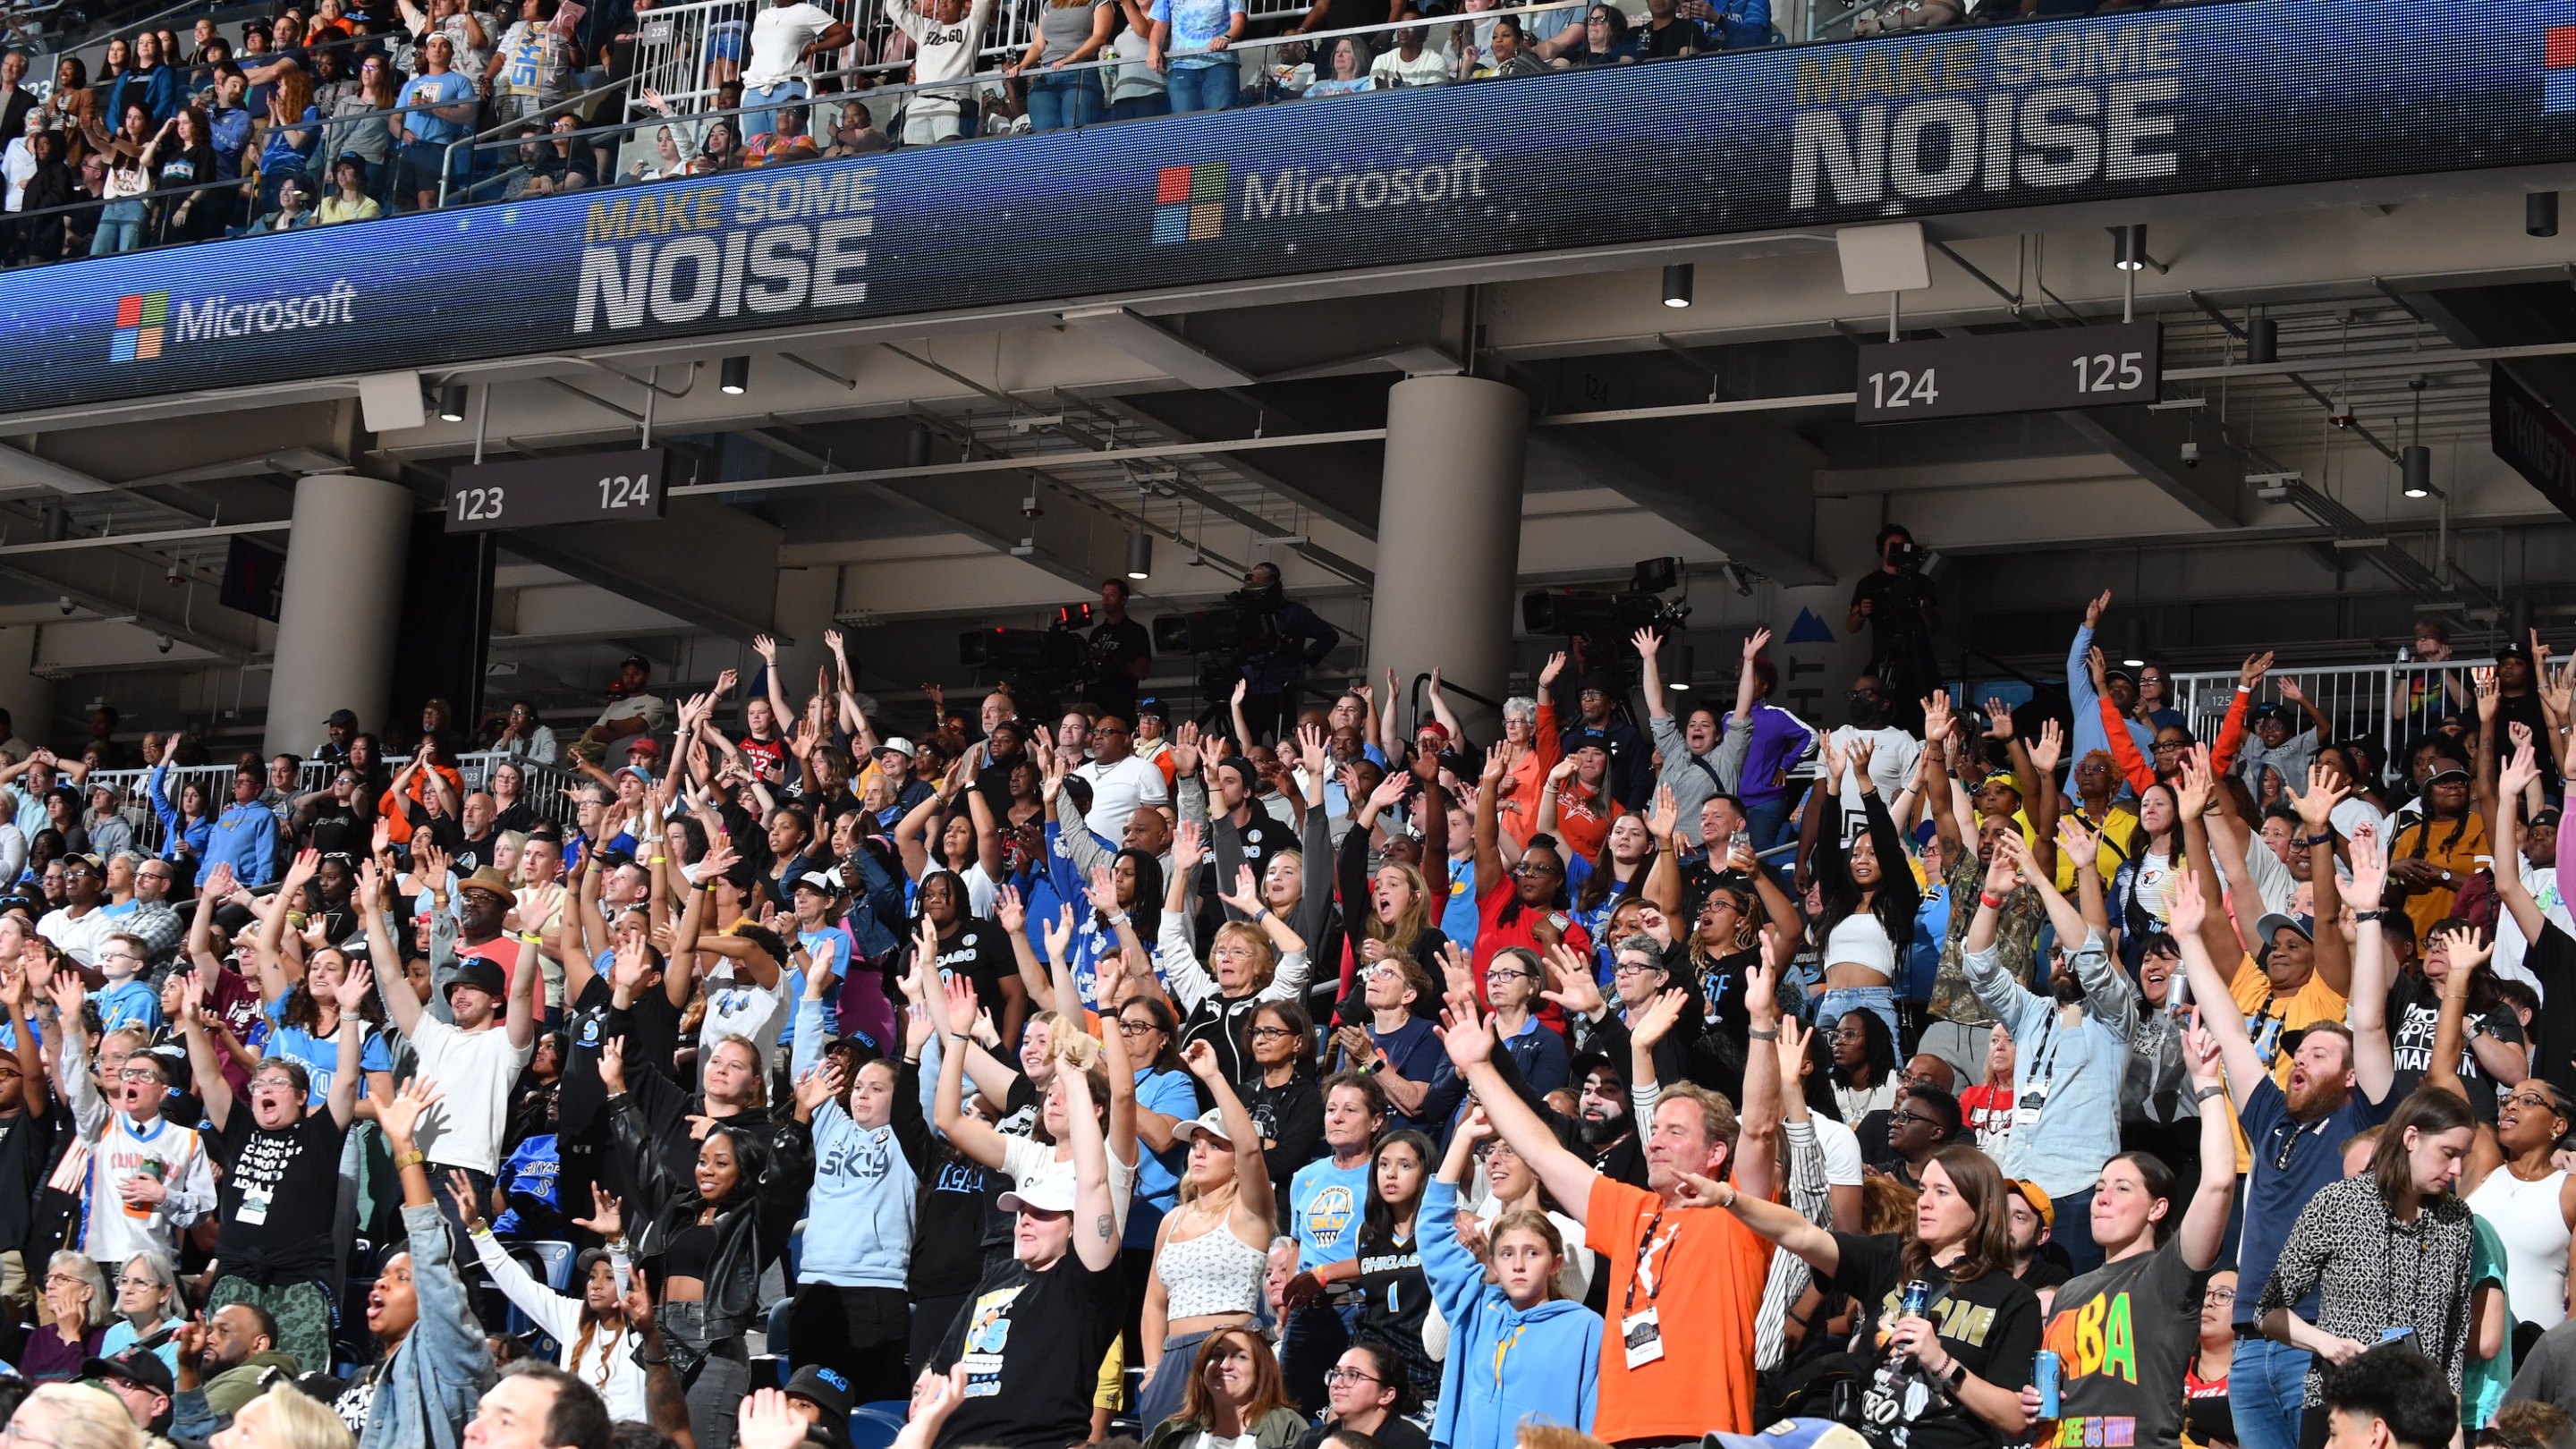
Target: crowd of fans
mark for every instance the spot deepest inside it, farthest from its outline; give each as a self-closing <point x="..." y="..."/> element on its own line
<point x="354" y="109"/>
<point x="1283" y="1078"/>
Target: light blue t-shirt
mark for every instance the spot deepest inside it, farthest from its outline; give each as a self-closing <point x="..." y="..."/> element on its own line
<point x="1196" y="23"/>
<point x="829" y="945"/>
<point x="120" y="1336"/>
<point x="436" y="90"/>
<point x="321" y="1055"/>
<point x="1325" y="1204"/>
<point x="1158" y="1174"/>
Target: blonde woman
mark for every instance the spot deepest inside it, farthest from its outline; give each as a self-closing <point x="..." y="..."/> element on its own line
<point x="76" y="1307"/>
<point x="1211" y="1251"/>
<point x="77" y="1416"/>
<point x="283" y="1418"/>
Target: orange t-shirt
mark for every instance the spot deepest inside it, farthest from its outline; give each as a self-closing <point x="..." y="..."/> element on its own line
<point x="1709" y="1269"/>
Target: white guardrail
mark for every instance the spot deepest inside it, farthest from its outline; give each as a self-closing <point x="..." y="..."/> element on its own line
<point x="2393" y="703"/>
<point x="544" y="795"/>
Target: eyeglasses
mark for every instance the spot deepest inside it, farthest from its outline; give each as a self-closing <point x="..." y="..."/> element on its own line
<point x="1627" y="966"/>
<point x="283" y="1084"/>
<point x="1505" y="973"/>
<point x="65" y="1280"/>
<point x="133" y="1282"/>
<point x="2168" y="746"/>
<point x="1537" y="867"/>
<point x="2535" y="1100"/>
<point x="140" y="1074"/>
<point x="1268" y="1033"/>
<point x="1136" y="1028"/>
<point x="1909" y="1117"/>
<point x="1350" y="1376"/>
<point x="2219" y="1295"/>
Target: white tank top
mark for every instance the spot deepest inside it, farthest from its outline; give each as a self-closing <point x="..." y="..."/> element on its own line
<point x="2526" y="1218"/>
<point x="1861" y="941"/>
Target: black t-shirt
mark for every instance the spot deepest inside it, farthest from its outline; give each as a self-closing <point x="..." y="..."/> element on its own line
<point x="2552" y="958"/>
<point x="652" y="1034"/>
<point x="2123" y="1334"/>
<point x="475" y="851"/>
<point x="2414" y="1009"/>
<point x="1291" y="1116"/>
<point x="1673" y="39"/>
<point x="1990" y="1324"/>
<point x="1898" y="602"/>
<point x="279" y="1192"/>
<point x="1395" y="1433"/>
<point x="2046" y="1272"/>
<point x="1262" y="837"/>
<point x="1032" y="1343"/>
<point x="1115" y="645"/>
<point x="336" y="829"/>
<point x="980" y="948"/>
<point x="26" y="1151"/>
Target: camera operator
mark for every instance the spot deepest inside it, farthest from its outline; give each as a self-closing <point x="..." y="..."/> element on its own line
<point x="1897" y="602"/>
<point x="1285" y="640"/>
<point x="1120" y="654"/>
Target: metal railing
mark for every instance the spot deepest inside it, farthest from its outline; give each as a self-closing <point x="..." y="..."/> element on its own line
<point x="2395" y="704"/>
<point x="543" y="792"/>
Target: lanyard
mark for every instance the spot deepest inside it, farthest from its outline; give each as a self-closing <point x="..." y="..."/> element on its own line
<point x="2048" y="1045"/>
<point x="1645" y="1264"/>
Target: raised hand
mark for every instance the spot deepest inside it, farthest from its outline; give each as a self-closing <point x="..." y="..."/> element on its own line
<point x="1936" y="716"/>
<point x="2093" y="610"/>
<point x="1200" y="1059"/>
<point x="2076" y="841"/>
<point x="2519" y="773"/>
<point x="767" y="1421"/>
<point x="1007" y="909"/>
<point x="2050" y="749"/>
<point x="1666" y="816"/>
<point x="766" y="648"/>
<point x="1310" y="748"/>
<point x="1646" y="642"/>
<point x="2289" y="689"/>
<point x="1656" y="1018"/>
<point x="2483" y="680"/>
<point x="1059" y="933"/>
<point x="398" y="1115"/>
<point x="2465" y="954"/>
<point x="2184" y="908"/>
<point x="1999" y="722"/>
<point x="460" y="1190"/>
<point x="1247" y="892"/>
<point x="2192" y="782"/>
<point x="819" y="1086"/>
<point x="607" y="1215"/>
<point x="1576" y="993"/>
<point x="1791" y="1057"/>
<point x="2253" y="670"/>
<point x="1554" y="666"/>
<point x="1755" y="643"/>
<point x="2325" y="792"/>
<point x="1463" y="1030"/>
<point x="351" y="993"/>
<point x="2369" y="867"/>
<point x="1189" y="846"/>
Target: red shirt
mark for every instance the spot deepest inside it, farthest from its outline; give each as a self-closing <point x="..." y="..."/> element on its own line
<point x="1494" y="934"/>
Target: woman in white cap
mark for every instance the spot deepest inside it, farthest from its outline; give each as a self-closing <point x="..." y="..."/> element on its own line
<point x="1212" y="1250"/>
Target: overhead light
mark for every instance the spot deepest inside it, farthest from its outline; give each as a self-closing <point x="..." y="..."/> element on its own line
<point x="1140" y="554"/>
<point x="2415" y="464"/>
<point x="2540" y="214"/>
<point x="1677" y="671"/>
<point x="1677" y="284"/>
<point x="2133" y="655"/>
<point x="2263" y="340"/>
<point x="451" y="402"/>
<point x="734" y="376"/>
<point x="2129" y="247"/>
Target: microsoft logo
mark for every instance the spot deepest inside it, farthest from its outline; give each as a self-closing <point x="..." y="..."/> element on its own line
<point x="1189" y="203"/>
<point x="139" y="321"/>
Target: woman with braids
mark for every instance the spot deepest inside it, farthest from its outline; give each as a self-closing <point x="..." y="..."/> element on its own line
<point x="593" y="1342"/>
<point x="1868" y="892"/>
<point x="1864" y="1070"/>
<point x="1954" y="1369"/>
<point x="2436" y="852"/>
<point x="2512" y="1181"/>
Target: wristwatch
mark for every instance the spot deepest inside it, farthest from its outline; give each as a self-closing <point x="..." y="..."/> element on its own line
<point x="2365" y="917"/>
<point x="2214" y="1089"/>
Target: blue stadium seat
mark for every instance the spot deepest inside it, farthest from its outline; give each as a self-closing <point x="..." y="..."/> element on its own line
<point x="873" y="1426"/>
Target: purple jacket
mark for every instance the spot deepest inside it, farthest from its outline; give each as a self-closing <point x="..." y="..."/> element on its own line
<point x="1780" y="741"/>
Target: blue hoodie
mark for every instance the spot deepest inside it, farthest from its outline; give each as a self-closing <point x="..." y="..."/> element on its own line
<point x="859" y="1218"/>
<point x="1506" y="1365"/>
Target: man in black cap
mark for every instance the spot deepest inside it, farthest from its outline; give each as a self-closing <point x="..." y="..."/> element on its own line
<point x="141" y="1380"/>
<point x="475" y="1053"/>
<point x="821" y="1397"/>
<point x="338" y="728"/>
<point x="1631" y="762"/>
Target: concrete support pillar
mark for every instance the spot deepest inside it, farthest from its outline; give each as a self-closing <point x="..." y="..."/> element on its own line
<point x="1449" y="538"/>
<point x="340" y="607"/>
<point x="28" y="697"/>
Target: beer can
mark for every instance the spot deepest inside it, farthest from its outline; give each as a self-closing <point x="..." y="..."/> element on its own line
<point x="2043" y="1376"/>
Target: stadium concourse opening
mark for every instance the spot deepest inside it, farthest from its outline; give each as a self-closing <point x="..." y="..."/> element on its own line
<point x="1227" y="725"/>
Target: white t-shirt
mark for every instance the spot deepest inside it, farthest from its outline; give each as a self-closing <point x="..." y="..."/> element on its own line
<point x="1892" y="763"/>
<point x="1841" y="1150"/>
<point x="737" y="1006"/>
<point x="1030" y="1162"/>
<point x="2511" y="944"/>
<point x="80" y="939"/>
<point x="1430" y="68"/>
<point x="1117" y="790"/>
<point x="476" y="1067"/>
<point x="779" y="35"/>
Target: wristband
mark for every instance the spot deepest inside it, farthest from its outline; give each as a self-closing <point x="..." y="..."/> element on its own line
<point x="532" y="938"/>
<point x="1760" y="1035"/>
<point x="2244" y="689"/>
<point x="2214" y="1089"/>
<point x="2366" y="917"/>
<point x="2314" y="841"/>
<point x="1989" y="902"/>
<point x="410" y="1158"/>
<point x="660" y="860"/>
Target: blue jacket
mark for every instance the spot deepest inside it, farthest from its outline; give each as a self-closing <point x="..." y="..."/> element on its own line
<point x="174" y="835"/>
<point x="1506" y="1365"/>
<point x="428" y="1390"/>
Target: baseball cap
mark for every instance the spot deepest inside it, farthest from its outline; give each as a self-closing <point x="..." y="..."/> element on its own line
<point x="1792" y="1434"/>
<point x="346" y="719"/>
<point x="1152" y="709"/>
<point x="2446" y="772"/>
<point x="1052" y="1193"/>
<point x="1210" y="1122"/>
<point x="2037" y="1199"/>
<point x="1589" y="740"/>
<point x="141" y="1367"/>
<point x="895" y="744"/>
<point x="638" y="771"/>
<point x="2272" y="924"/>
<point x="481" y="974"/>
<point x="1435" y="728"/>
<point x="827" y="882"/>
<point x="824" y="1388"/>
<point x="644" y="745"/>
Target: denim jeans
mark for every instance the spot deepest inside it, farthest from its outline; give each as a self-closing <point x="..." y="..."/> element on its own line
<point x="1198" y="84"/>
<point x="1058" y="99"/>
<point x="1839" y="1001"/>
<point x="120" y="227"/>
<point x="2266" y="1387"/>
<point x="759" y="122"/>
<point x="1157" y="104"/>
